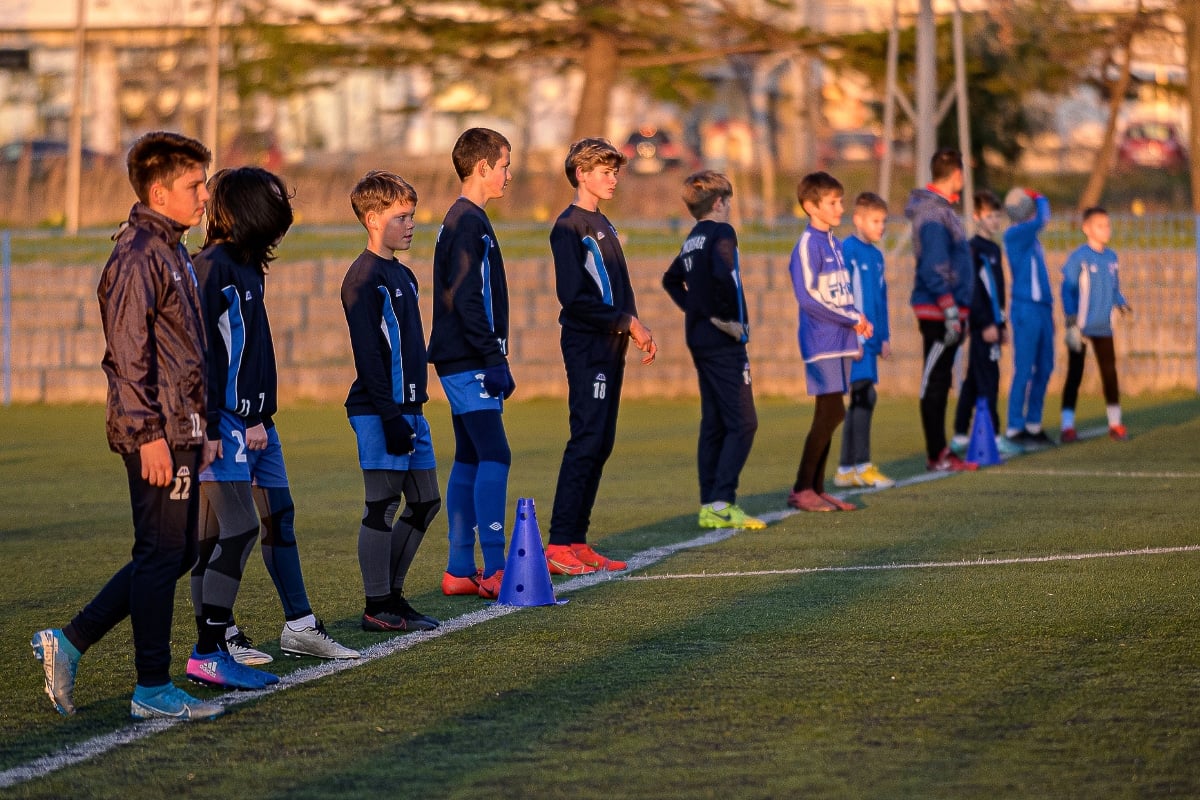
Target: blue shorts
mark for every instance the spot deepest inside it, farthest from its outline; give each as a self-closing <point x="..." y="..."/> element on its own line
<point x="372" y="448"/>
<point x="237" y="463"/>
<point x="828" y="376"/>
<point x="465" y="392"/>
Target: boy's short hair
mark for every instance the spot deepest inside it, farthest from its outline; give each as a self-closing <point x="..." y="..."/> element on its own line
<point x="701" y="190"/>
<point x="986" y="200"/>
<point x="1093" y="211"/>
<point x="249" y="211"/>
<point x="589" y="153"/>
<point x="814" y="186"/>
<point x="378" y="191"/>
<point x="869" y="201"/>
<point x="161" y="157"/>
<point x="475" y="145"/>
<point x="944" y="163"/>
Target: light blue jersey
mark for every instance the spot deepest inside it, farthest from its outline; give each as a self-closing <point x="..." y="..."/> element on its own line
<point x="1091" y="288"/>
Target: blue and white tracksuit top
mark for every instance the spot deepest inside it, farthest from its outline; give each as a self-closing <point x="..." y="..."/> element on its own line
<point x="1091" y="287"/>
<point x="865" y="262"/>
<point x="379" y="296"/>
<point x="242" y="377"/>
<point x="944" y="275"/>
<point x="705" y="281"/>
<point x="1027" y="260"/>
<point x="590" y="274"/>
<point x="823" y="290"/>
<point x="470" y="294"/>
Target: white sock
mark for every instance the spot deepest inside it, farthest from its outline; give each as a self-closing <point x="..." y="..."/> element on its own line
<point x="863" y="467"/>
<point x="960" y="439"/>
<point x="1011" y="432"/>
<point x="844" y="470"/>
<point x="1033" y="427"/>
<point x="1114" y="415"/>
<point x="719" y="505"/>
<point x="1068" y="418"/>
<point x="304" y="622"/>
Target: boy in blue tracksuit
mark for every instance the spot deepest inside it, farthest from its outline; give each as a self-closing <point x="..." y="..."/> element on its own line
<point x="941" y="297"/>
<point x="468" y="346"/>
<point x="1031" y="318"/>
<point x="385" y="403"/>
<point x="865" y="262"/>
<point x="828" y="333"/>
<point x="705" y="281"/>
<point x="988" y="330"/>
<point x="1091" y="289"/>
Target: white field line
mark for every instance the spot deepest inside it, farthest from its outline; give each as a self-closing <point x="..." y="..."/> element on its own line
<point x="83" y="751"/>
<point x="980" y="562"/>
<point x="136" y="731"/>
<point x="1098" y="473"/>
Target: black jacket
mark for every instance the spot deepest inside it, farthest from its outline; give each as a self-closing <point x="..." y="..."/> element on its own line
<point x="704" y="281"/>
<point x="154" y="354"/>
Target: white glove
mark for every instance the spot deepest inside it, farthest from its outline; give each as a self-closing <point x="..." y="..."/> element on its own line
<point x="953" y="327"/>
<point x="1074" y="338"/>
<point x="737" y="330"/>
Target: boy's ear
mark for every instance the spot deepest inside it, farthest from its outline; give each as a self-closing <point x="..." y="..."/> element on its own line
<point x="481" y="166"/>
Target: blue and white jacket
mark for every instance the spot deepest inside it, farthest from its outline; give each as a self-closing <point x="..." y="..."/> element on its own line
<point x="1027" y="260"/>
<point x="870" y="297"/>
<point x="823" y="290"/>
<point x="1091" y="288"/>
<point x="944" y="276"/>
<point x="590" y="274"/>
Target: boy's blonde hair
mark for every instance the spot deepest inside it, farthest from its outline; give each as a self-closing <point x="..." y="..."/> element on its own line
<point x="701" y="190"/>
<point x="589" y="153"/>
<point x="378" y="191"/>
<point x="869" y="201"/>
<point x="814" y="186"/>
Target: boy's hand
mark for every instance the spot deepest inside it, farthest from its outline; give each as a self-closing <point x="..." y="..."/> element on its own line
<point x="1125" y="309"/>
<point x="1004" y="336"/>
<point x="885" y="350"/>
<point x="953" y="326"/>
<point x="990" y="334"/>
<point x="158" y="468"/>
<point x="256" y="437"/>
<point x="398" y="436"/>
<point x="643" y="340"/>
<point x="736" y="330"/>
<point x="212" y="451"/>
<point x="863" y="327"/>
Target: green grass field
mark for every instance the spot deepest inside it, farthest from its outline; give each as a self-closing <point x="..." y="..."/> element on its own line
<point x="779" y="663"/>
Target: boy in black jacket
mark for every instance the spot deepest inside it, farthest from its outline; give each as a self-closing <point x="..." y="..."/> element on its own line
<point x="468" y="346"/>
<point x="705" y="281"/>
<point x="154" y="360"/>
<point x="385" y="402"/>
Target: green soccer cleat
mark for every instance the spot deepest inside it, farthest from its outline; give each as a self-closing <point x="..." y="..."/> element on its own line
<point x="729" y="517"/>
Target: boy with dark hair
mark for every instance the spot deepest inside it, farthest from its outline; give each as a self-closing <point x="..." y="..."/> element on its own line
<point x="468" y="346"/>
<point x="385" y="402"/>
<point x="248" y="214"/>
<point x="1091" y="289"/>
<point x="1032" y="318"/>
<point x="941" y="298"/>
<point x="598" y="319"/>
<point x="865" y="262"/>
<point x="705" y="281"/>
<point x="154" y="360"/>
<point x="988" y="329"/>
<point x="828" y="333"/>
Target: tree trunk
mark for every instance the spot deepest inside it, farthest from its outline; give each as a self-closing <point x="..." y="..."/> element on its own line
<point x="1190" y="10"/>
<point x="600" y="69"/>
<point x="1104" y="156"/>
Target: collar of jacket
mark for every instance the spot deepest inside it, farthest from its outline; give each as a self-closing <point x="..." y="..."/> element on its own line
<point x="143" y="216"/>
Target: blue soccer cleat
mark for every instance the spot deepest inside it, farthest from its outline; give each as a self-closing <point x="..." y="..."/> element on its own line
<point x="168" y="702"/>
<point x="219" y="669"/>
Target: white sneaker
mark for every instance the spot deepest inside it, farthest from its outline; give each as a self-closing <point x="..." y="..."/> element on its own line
<point x="242" y="649"/>
<point x="313" y="641"/>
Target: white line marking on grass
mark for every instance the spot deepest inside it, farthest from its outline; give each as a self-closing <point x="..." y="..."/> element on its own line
<point x="1099" y="473"/>
<point x="981" y="562"/>
<point x="99" y="745"/>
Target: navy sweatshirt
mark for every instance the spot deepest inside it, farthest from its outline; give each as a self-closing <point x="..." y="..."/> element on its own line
<point x="591" y="276"/>
<point x="704" y="280"/>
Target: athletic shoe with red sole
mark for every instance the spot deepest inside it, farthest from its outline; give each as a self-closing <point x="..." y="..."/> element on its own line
<point x="1118" y="433"/>
<point x="593" y="559"/>
<point x="489" y="587"/>
<point x="948" y="462"/>
<point x="453" y="584"/>
<point x="561" y="560"/>
<point x="1068" y="435"/>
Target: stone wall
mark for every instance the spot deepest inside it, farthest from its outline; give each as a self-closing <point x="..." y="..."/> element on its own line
<point x="57" y="343"/>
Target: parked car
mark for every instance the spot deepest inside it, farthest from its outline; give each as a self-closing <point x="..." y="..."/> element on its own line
<point x="650" y="150"/>
<point x="857" y="146"/>
<point x="254" y="148"/>
<point x="1158" y="145"/>
<point x="40" y="150"/>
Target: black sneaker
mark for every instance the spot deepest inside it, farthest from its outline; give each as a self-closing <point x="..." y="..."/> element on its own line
<point x="416" y="620"/>
<point x="1038" y="440"/>
<point x="384" y="620"/>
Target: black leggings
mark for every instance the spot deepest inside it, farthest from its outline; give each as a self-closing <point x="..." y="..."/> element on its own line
<point x="828" y="413"/>
<point x="1106" y="358"/>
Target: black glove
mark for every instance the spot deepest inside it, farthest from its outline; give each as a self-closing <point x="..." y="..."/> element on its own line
<point x="398" y="436"/>
<point x="497" y="381"/>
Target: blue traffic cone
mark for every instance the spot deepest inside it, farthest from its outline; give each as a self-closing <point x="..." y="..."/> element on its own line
<point x="526" y="574"/>
<point x="982" y="449"/>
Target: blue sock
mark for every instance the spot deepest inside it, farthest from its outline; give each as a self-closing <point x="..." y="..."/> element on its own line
<point x="460" y="516"/>
<point x="280" y="554"/>
<point x="491" y="497"/>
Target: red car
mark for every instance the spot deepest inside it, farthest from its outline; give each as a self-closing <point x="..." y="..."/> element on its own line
<point x="1157" y="145"/>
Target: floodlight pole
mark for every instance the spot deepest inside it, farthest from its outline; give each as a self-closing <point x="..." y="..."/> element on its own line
<point x="75" y="127"/>
<point x="926" y="117"/>
<point x="212" y="81"/>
